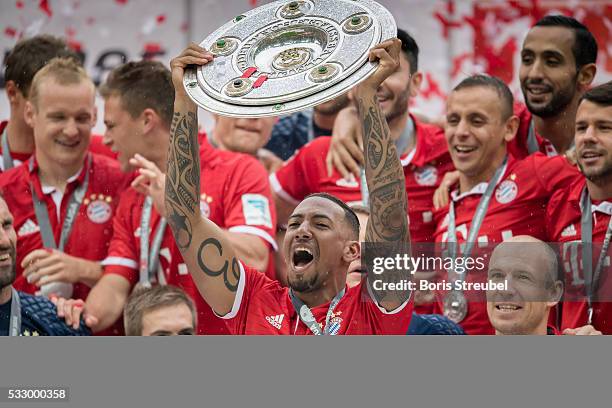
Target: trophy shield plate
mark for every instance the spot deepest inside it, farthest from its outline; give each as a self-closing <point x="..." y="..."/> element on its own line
<point x="286" y="56"/>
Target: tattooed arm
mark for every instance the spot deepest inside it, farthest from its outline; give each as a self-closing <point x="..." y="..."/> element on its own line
<point x="210" y="257"/>
<point x="388" y="223"/>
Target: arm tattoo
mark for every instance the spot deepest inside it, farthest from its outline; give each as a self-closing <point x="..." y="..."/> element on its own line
<point x="183" y="202"/>
<point x="388" y="221"/>
<point x="183" y="180"/>
<point x="231" y="282"/>
<point x="385" y="177"/>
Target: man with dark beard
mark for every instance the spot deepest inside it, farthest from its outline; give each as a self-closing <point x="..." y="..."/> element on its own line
<point x="22" y="314"/>
<point x="578" y="217"/>
<point x="322" y="234"/>
<point x="557" y="66"/>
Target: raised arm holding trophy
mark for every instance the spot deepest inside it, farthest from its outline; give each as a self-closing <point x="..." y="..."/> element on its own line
<point x="304" y="57"/>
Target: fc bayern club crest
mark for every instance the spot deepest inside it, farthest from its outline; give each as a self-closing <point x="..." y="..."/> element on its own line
<point x="334" y="325"/>
<point x="426" y="176"/>
<point x="99" y="211"/>
<point x="506" y="192"/>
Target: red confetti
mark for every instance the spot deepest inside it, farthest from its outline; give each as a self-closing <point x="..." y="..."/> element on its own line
<point x="19" y="4"/>
<point x="121" y="2"/>
<point x="160" y="19"/>
<point x="253" y="3"/>
<point x="75" y="45"/>
<point x="152" y="48"/>
<point x="10" y="31"/>
<point x="90" y="20"/>
<point x="70" y="32"/>
<point x="45" y="7"/>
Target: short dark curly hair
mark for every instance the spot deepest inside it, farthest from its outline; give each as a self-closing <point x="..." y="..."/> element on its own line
<point x="349" y="215"/>
<point x="585" y="44"/>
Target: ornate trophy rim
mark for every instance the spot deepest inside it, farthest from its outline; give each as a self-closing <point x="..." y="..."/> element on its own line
<point x="264" y="53"/>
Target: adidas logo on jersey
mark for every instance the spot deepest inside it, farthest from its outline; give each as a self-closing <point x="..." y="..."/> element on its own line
<point x="28" y="227"/>
<point x="276" y="321"/>
<point x="569" y="231"/>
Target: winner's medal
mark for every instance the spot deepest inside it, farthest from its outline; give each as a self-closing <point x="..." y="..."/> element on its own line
<point x="455" y="303"/>
<point x="455" y="306"/>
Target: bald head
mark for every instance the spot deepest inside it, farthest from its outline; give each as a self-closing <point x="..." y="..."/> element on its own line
<point x="529" y="251"/>
<point x="529" y="269"/>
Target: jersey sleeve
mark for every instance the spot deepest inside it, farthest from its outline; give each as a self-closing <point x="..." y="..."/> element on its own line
<point x="292" y="181"/>
<point x="552" y="215"/>
<point x="122" y="258"/>
<point x="250" y="283"/>
<point x="395" y="321"/>
<point x="248" y="203"/>
<point x="553" y="173"/>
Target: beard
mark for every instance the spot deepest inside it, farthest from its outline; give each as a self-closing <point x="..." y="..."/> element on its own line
<point x="560" y="100"/>
<point x="304" y="286"/>
<point x="604" y="173"/>
<point x="399" y="107"/>
<point x="334" y="106"/>
<point x="8" y="273"/>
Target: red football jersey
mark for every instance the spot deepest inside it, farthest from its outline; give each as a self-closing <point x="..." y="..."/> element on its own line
<point x="236" y="186"/>
<point x="92" y="228"/>
<point x="263" y="306"/>
<point x="519" y="147"/>
<point x="517" y="207"/>
<point x="96" y="145"/>
<point x="563" y="219"/>
<point x="306" y="173"/>
<point x="222" y="202"/>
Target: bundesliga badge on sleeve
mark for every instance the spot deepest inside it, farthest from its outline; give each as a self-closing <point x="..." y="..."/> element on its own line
<point x="286" y="56"/>
<point x="455" y="306"/>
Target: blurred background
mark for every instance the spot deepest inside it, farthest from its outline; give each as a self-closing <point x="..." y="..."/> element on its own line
<point x="456" y="37"/>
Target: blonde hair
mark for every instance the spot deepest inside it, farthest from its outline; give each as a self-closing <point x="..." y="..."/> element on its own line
<point x="65" y="71"/>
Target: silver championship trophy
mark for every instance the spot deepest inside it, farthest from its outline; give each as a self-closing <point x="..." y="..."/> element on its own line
<point x="286" y="56"/>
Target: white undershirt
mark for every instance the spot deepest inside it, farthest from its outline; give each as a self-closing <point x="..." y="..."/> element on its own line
<point x="57" y="195"/>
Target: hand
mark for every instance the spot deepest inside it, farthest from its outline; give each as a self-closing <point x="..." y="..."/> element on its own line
<point x="387" y="54"/>
<point x="150" y="181"/>
<point x="71" y="311"/>
<point x="346" y="148"/>
<point x="423" y="297"/>
<point x="587" y="330"/>
<point x="441" y="195"/>
<point x="269" y="160"/>
<point x="43" y="266"/>
<point x="192" y="55"/>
